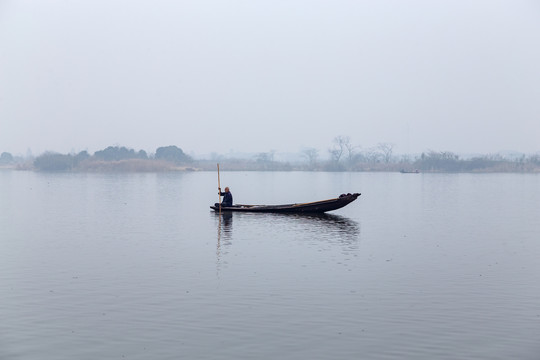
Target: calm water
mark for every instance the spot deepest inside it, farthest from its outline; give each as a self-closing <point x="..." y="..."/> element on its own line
<point x="136" y="266"/>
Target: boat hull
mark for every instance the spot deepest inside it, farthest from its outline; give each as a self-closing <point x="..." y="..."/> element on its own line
<point x="312" y="207"/>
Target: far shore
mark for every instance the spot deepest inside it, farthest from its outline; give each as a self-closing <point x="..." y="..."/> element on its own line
<point x="343" y="158"/>
<point x="156" y="166"/>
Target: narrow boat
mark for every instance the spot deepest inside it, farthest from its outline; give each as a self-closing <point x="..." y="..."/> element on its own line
<point x="311" y="207"/>
<point x="403" y="171"/>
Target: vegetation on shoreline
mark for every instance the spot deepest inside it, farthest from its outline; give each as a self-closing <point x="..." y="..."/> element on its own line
<point x="430" y="162"/>
<point x="342" y="157"/>
<point x="113" y="158"/>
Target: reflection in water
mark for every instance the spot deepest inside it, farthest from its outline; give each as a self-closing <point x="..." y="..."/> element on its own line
<point x="329" y="223"/>
<point x="224" y="232"/>
<point x="117" y="265"/>
<point x="227" y="221"/>
<point x="312" y="230"/>
<point x="331" y="228"/>
<point x="224" y="225"/>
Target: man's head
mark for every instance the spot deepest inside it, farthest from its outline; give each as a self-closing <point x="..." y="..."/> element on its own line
<point x="227" y="189"/>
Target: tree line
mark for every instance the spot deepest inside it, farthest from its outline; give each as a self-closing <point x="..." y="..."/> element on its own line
<point x="344" y="156"/>
<point x="113" y="158"/>
<point x="341" y="156"/>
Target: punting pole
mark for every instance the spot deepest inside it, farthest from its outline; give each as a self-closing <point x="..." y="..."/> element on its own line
<point x="219" y="188"/>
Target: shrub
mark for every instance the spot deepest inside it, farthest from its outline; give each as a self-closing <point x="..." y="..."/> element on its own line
<point x="115" y="153"/>
<point x="53" y="162"/>
<point x="172" y="153"/>
<point x="6" y="158"/>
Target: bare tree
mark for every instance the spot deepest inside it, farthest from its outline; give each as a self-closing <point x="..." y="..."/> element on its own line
<point x="340" y="145"/>
<point x="371" y="155"/>
<point x="351" y="151"/>
<point x="386" y="150"/>
<point x="266" y="159"/>
<point x="312" y="155"/>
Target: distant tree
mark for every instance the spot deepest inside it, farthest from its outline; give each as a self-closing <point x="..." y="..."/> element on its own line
<point x="173" y="154"/>
<point x="535" y="159"/>
<point x="6" y="158"/>
<point x="53" y="162"/>
<point x="115" y="153"/>
<point x="311" y="154"/>
<point x="337" y="150"/>
<point x="405" y="159"/>
<point x="83" y="155"/>
<point x="142" y="154"/>
<point x="478" y="163"/>
<point x="351" y="151"/>
<point x="439" y="161"/>
<point x="371" y="155"/>
<point x="386" y="150"/>
<point x="266" y="159"/>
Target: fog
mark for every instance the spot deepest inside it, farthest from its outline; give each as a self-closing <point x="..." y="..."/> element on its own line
<point x="249" y="76"/>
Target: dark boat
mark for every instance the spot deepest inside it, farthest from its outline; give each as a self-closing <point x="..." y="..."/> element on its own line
<point x="311" y="207"/>
<point x="403" y="171"/>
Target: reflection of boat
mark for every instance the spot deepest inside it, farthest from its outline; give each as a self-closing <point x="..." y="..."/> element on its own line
<point x="323" y="222"/>
<point x="311" y="207"/>
<point x="309" y="226"/>
<point x="315" y="230"/>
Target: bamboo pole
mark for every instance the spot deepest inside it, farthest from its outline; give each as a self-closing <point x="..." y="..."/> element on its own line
<point x="219" y="188"/>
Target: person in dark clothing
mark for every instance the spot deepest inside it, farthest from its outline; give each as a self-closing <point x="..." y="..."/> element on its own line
<point x="227" y="197"/>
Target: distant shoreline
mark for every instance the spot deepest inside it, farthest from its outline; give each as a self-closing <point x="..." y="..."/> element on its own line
<point x="172" y="158"/>
<point x="158" y="166"/>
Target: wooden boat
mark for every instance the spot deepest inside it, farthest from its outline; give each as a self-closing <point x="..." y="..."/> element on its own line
<point x="311" y="207"/>
<point x="403" y="171"/>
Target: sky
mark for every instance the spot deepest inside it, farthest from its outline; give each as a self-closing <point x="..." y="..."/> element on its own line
<point x="215" y="76"/>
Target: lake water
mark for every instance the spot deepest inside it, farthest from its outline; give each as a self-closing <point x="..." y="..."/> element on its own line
<point x="136" y="266"/>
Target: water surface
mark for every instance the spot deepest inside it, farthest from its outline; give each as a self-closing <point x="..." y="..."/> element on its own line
<point x="136" y="266"/>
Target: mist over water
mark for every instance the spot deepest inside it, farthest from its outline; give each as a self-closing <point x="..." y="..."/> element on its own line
<point x="423" y="266"/>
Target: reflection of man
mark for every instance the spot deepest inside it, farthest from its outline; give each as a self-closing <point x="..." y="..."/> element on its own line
<point x="227" y="197"/>
<point x="227" y="221"/>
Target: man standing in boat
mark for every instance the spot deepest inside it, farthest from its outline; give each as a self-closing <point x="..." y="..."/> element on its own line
<point x="227" y="197"/>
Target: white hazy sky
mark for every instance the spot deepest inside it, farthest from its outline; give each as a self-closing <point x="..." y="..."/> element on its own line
<point x="284" y="75"/>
